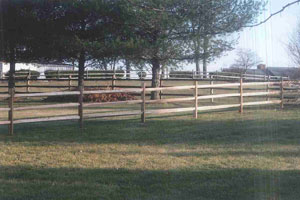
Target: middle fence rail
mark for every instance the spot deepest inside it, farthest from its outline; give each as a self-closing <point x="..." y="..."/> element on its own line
<point x="144" y="111"/>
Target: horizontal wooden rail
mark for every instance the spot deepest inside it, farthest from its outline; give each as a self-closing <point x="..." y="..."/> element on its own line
<point x="47" y="94"/>
<point x="262" y="103"/>
<point x="4" y="95"/>
<point x="170" y="88"/>
<point x="171" y="110"/>
<point x="4" y="109"/>
<point x="45" y="86"/>
<point x="112" y="103"/>
<point x="206" y="108"/>
<point x="4" y="122"/>
<point x="260" y="94"/>
<point x="259" y="83"/>
<point x="114" y="114"/>
<point x="65" y="105"/>
<point x="113" y="91"/>
<point x="170" y="100"/>
<point x="46" y="119"/>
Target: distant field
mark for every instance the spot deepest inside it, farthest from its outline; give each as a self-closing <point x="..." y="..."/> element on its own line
<point x="222" y="155"/>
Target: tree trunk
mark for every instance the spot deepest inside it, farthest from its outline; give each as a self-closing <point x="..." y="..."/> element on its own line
<point x="205" y="52"/>
<point x="163" y="72"/>
<point x="128" y="68"/>
<point x="204" y="67"/>
<point x="104" y="65"/>
<point x="81" y="64"/>
<point x="197" y="45"/>
<point x="155" y="77"/>
<point x="198" y="70"/>
<point x="12" y="70"/>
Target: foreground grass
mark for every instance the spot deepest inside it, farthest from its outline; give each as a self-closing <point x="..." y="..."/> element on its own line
<point x="222" y="155"/>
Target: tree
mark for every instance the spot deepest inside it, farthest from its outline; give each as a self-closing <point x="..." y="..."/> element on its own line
<point x="246" y="59"/>
<point x="87" y="31"/>
<point x="293" y="46"/>
<point x="174" y="31"/>
<point x="154" y="25"/>
<point x="16" y="36"/>
<point x="211" y="22"/>
<point x="74" y="31"/>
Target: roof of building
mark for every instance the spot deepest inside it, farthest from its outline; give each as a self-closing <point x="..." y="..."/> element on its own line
<point x="283" y="71"/>
<point x="256" y="72"/>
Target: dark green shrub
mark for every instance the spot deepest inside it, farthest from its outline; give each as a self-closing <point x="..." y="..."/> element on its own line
<point x="181" y="74"/>
<point x="23" y="74"/>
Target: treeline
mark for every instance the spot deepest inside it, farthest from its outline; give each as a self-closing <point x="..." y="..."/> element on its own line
<point x="153" y="33"/>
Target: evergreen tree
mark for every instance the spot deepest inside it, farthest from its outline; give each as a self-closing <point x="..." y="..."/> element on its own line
<point x="211" y="22"/>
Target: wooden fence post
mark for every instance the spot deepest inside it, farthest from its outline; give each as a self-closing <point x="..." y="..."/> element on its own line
<point x="268" y="88"/>
<point x="281" y="93"/>
<point x="196" y="100"/>
<point x="143" y="104"/>
<point x="11" y="111"/>
<point x="113" y="82"/>
<point x="80" y="107"/>
<point x="241" y="95"/>
<point x="87" y="74"/>
<point x="160" y="85"/>
<point x="28" y="83"/>
<point x="70" y="82"/>
<point x="211" y="89"/>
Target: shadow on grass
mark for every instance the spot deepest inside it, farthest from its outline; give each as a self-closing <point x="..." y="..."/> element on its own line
<point x="74" y="183"/>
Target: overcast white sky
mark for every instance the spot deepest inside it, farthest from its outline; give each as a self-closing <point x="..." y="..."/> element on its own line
<point x="267" y="40"/>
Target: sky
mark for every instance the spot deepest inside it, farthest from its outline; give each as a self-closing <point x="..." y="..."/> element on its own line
<point x="269" y="40"/>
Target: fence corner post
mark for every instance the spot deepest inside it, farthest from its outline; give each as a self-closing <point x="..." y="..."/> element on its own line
<point x="196" y="100"/>
<point x="80" y="107"/>
<point x="281" y="93"/>
<point x="241" y="95"/>
<point x="143" y="104"/>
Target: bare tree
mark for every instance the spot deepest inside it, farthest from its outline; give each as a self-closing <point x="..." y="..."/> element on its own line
<point x="293" y="46"/>
<point x="246" y="59"/>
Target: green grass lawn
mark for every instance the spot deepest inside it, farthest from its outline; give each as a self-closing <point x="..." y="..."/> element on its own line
<point x="222" y="155"/>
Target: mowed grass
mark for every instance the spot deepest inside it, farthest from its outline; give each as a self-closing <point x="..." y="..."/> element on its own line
<point x="221" y="155"/>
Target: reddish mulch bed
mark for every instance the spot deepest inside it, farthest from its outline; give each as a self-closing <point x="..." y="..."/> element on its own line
<point x="110" y="97"/>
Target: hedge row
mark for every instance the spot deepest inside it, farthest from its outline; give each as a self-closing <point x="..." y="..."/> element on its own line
<point x="23" y="74"/>
<point x="181" y="74"/>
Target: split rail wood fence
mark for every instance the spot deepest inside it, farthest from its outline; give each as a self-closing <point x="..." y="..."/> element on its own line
<point x="70" y="81"/>
<point x="144" y="111"/>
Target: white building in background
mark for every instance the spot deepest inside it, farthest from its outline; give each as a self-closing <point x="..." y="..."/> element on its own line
<point x="4" y="67"/>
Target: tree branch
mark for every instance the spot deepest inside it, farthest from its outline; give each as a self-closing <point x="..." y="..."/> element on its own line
<point x="273" y="14"/>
